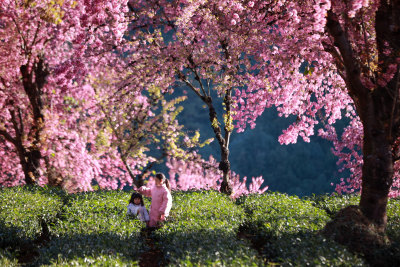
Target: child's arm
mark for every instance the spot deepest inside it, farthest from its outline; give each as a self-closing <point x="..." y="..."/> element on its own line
<point x="145" y="191"/>
<point x="166" y="202"/>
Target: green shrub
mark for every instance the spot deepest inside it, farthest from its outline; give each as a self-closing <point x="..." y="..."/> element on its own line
<point x="287" y="227"/>
<point x="92" y="229"/>
<point x="97" y="212"/>
<point x="7" y="258"/>
<point x="22" y="210"/>
<point x="333" y="203"/>
<point x="280" y="213"/>
<point x="393" y="224"/>
<point x="95" y="230"/>
<point x="92" y="250"/>
<point x="202" y="231"/>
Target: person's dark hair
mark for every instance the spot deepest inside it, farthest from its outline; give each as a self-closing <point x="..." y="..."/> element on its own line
<point x="136" y="195"/>
<point x="163" y="180"/>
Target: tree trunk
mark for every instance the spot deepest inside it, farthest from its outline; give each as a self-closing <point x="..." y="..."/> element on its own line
<point x="30" y="156"/>
<point x="225" y="166"/>
<point x="377" y="175"/>
<point x="31" y="165"/>
<point x="378" y="108"/>
<point x="223" y="142"/>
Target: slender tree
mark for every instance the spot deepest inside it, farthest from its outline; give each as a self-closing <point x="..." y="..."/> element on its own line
<point x="141" y="121"/>
<point x="203" y="49"/>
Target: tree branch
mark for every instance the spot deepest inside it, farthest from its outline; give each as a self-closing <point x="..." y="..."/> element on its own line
<point x="188" y="83"/>
<point x="350" y="62"/>
<point x="8" y="137"/>
<point x="15" y="124"/>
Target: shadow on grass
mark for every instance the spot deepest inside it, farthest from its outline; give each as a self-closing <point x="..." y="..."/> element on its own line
<point x="204" y="247"/>
<point x="311" y="248"/>
<point x="105" y="248"/>
<point x="23" y="249"/>
<point x="82" y="249"/>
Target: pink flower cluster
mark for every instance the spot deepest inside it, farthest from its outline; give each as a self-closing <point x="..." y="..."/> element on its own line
<point x="201" y="174"/>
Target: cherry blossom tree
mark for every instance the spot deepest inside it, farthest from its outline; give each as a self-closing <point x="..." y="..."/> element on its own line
<point x="329" y="59"/>
<point x="45" y="48"/>
<point x="201" y="48"/>
<point x="140" y="122"/>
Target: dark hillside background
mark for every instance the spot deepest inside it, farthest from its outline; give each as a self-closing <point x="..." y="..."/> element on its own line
<point x="297" y="169"/>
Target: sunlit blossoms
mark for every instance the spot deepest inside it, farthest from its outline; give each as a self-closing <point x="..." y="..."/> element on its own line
<point x="47" y="120"/>
<point x="203" y="174"/>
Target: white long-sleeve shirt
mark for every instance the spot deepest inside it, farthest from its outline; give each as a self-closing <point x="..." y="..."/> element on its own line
<point x="138" y="210"/>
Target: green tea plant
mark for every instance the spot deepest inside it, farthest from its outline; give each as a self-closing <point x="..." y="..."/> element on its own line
<point x="205" y="228"/>
<point x="286" y="228"/>
<point x="202" y="231"/>
<point x="95" y="230"/>
<point x="23" y="209"/>
<point x="333" y="203"/>
<point x="7" y="259"/>
<point x="393" y="225"/>
<point x="393" y="232"/>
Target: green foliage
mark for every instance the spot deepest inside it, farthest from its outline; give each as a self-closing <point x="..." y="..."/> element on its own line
<point x="281" y="213"/>
<point x="393" y="224"/>
<point x="393" y="231"/>
<point x="7" y="259"/>
<point x="23" y="209"/>
<point x="205" y="228"/>
<point x="333" y="203"/>
<point x="202" y="232"/>
<point x="91" y="250"/>
<point x="286" y="228"/>
<point x="97" y="212"/>
<point x="95" y="230"/>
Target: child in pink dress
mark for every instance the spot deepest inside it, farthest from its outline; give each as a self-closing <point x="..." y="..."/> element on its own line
<point x="161" y="199"/>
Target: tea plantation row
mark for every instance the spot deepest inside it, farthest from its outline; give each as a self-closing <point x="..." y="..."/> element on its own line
<point x="48" y="227"/>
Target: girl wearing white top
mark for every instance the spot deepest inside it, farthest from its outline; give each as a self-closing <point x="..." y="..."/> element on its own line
<point x="136" y="207"/>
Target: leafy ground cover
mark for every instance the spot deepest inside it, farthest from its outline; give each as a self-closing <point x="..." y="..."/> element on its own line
<point x="286" y="229"/>
<point x="47" y="227"/>
<point x="94" y="230"/>
<point x="202" y="231"/>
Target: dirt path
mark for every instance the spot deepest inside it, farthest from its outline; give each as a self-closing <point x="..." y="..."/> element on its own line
<point x="154" y="256"/>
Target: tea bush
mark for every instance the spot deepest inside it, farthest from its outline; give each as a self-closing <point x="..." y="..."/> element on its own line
<point x="333" y="203"/>
<point x="393" y="224"/>
<point x="7" y="258"/>
<point x="24" y="209"/>
<point x="202" y="231"/>
<point x="287" y="229"/>
<point x="205" y="228"/>
<point x="95" y="230"/>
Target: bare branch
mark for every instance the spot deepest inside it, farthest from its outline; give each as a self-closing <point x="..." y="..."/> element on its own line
<point x="197" y="78"/>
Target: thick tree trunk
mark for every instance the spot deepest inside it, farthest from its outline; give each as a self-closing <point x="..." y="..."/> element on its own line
<point x="382" y="121"/>
<point x="33" y="82"/>
<point x="30" y="165"/>
<point x="378" y="108"/>
<point x="377" y="175"/>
